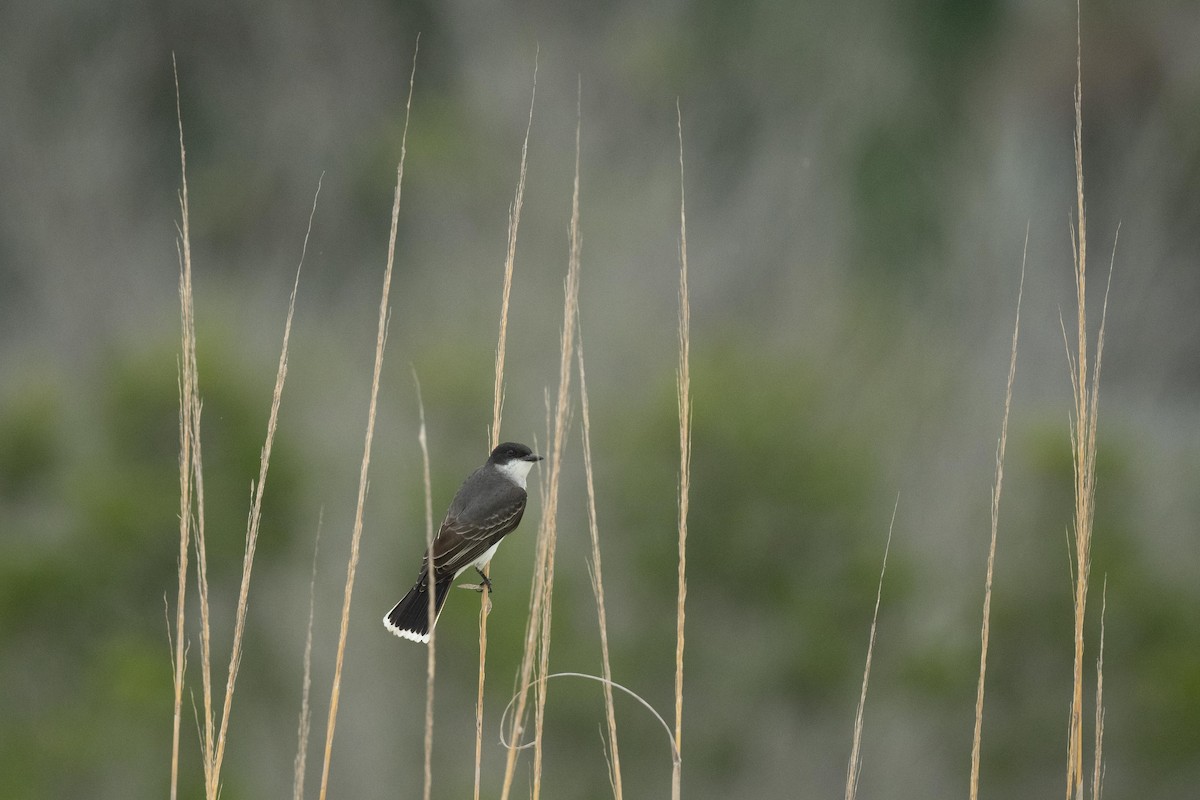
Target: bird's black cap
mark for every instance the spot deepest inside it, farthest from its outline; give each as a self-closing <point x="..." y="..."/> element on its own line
<point x="512" y="451"/>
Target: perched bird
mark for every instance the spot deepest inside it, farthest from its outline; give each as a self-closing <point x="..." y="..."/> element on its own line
<point x="487" y="507"/>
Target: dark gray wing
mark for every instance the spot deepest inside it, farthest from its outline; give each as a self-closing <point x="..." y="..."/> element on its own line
<point x="486" y="509"/>
<point x="460" y="543"/>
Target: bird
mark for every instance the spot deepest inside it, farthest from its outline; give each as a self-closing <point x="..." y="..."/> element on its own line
<point x="487" y="507"/>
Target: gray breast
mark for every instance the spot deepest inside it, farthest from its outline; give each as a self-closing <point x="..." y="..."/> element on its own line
<point x="484" y="493"/>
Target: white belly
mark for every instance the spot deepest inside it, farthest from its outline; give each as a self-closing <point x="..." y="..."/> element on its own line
<point x="482" y="561"/>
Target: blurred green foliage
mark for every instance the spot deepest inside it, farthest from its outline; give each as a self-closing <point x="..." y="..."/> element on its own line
<point x="786" y="538"/>
<point x="90" y="510"/>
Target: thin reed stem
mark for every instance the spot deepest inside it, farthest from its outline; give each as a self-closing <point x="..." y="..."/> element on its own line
<point x="1080" y="456"/>
<point x="1098" y="762"/>
<point x="537" y="630"/>
<point x="201" y="545"/>
<point x="536" y="597"/>
<point x="684" y="385"/>
<point x="431" y="661"/>
<point x="380" y="342"/>
<point x="854" y="767"/>
<point x="187" y="381"/>
<point x="510" y="257"/>
<point x="597" y="576"/>
<point x="561" y="415"/>
<point x="985" y="629"/>
<point x="304" y="726"/>
<point x="1085" y="414"/>
<point x="252" y="529"/>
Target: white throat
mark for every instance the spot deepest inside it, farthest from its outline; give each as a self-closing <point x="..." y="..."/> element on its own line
<point x="516" y="471"/>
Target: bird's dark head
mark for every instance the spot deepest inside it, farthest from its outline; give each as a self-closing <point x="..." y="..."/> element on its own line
<point x="513" y="461"/>
<point x="509" y="452"/>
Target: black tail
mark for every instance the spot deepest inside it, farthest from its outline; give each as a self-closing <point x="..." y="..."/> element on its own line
<point x="410" y="618"/>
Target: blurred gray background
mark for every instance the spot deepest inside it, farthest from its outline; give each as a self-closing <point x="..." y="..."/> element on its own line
<point x="860" y="178"/>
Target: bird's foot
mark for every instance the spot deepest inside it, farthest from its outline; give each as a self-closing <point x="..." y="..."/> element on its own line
<point x="486" y="583"/>
<point x="478" y="587"/>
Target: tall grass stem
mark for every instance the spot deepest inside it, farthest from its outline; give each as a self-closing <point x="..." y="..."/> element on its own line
<point x="596" y="573"/>
<point x="510" y="257"/>
<point x="684" y="387"/>
<point x="356" y="536"/>
<point x="854" y="766"/>
<point x="985" y="628"/>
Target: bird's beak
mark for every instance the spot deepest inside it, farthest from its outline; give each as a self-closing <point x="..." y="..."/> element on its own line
<point x="532" y="457"/>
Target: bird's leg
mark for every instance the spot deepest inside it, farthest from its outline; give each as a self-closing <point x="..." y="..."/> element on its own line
<point x="486" y="583"/>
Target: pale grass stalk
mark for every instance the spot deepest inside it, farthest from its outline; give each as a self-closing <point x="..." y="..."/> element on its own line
<point x="305" y="724"/>
<point x="597" y="576"/>
<point x="207" y="738"/>
<point x="430" y="660"/>
<point x="1098" y="763"/>
<point x="985" y="629"/>
<point x="186" y="382"/>
<point x="543" y="587"/>
<point x="684" y="384"/>
<point x="210" y="741"/>
<point x="1085" y="388"/>
<point x="200" y="543"/>
<point x="854" y="767"/>
<point x="356" y="536"/>
<point x="543" y="652"/>
<point x="536" y="597"/>
<point x="485" y="608"/>
<point x="1079" y="388"/>
<point x="510" y="258"/>
<point x="561" y="415"/>
<point x="183" y="660"/>
<point x="252" y="528"/>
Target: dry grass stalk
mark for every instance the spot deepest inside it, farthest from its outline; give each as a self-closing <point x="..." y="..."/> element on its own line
<point x="430" y="662"/>
<point x="1084" y="416"/>
<point x="561" y="415"/>
<point x="305" y="723"/>
<point x="684" y="383"/>
<point x="985" y="629"/>
<point x="523" y="683"/>
<point x="597" y="576"/>
<point x="192" y="490"/>
<point x="543" y="583"/>
<point x="187" y="383"/>
<point x="545" y="572"/>
<point x="207" y="738"/>
<point x="485" y="608"/>
<point x="1098" y="761"/>
<point x="356" y="536"/>
<point x="510" y="257"/>
<point x="1079" y="438"/>
<point x="252" y="528"/>
<point x="854" y="767"/>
